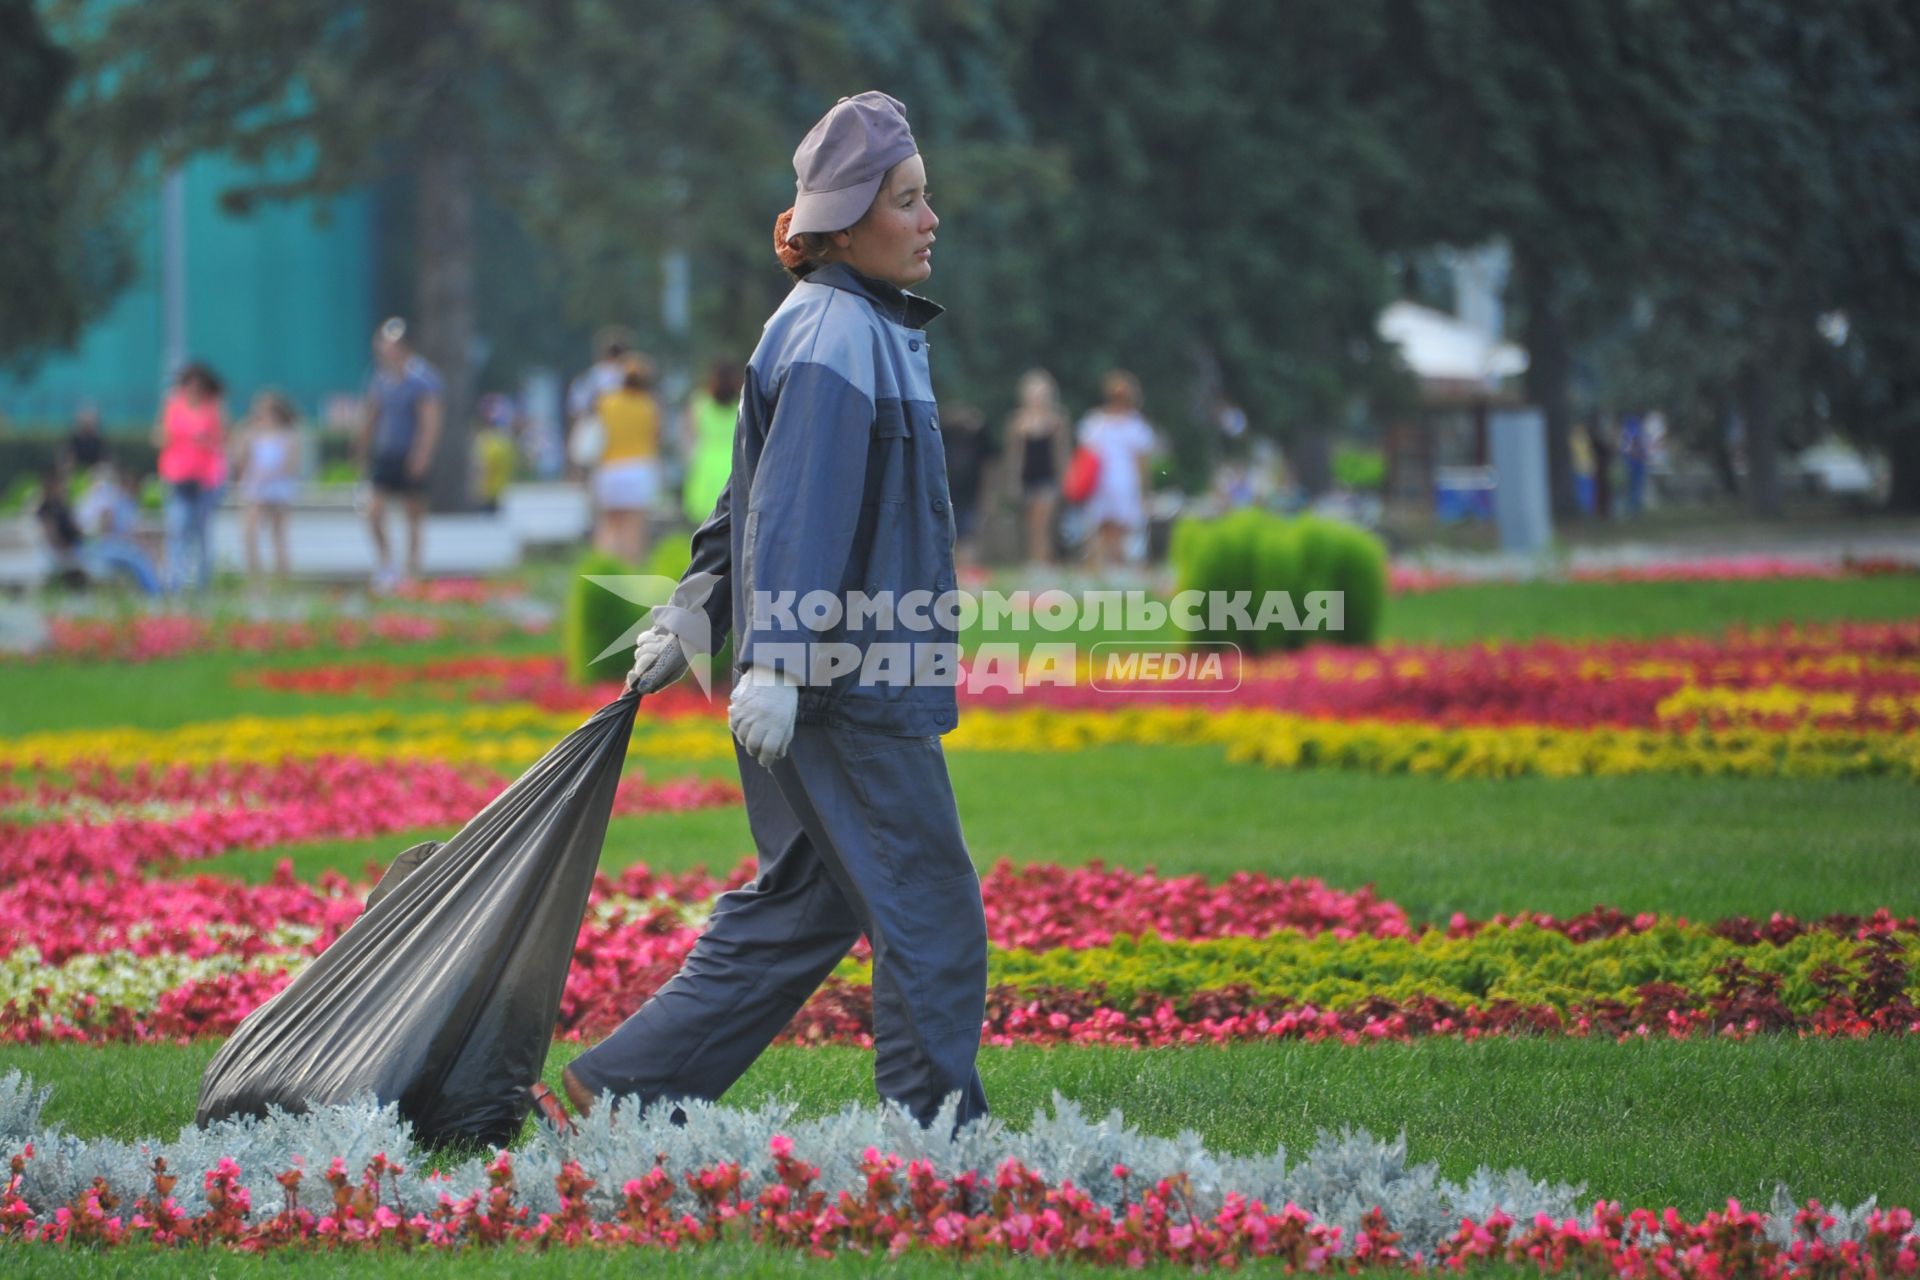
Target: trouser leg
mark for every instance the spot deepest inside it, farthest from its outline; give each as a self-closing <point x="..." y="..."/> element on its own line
<point x="882" y="812"/>
<point x="178" y="515"/>
<point x="768" y="946"/>
<point x="857" y="832"/>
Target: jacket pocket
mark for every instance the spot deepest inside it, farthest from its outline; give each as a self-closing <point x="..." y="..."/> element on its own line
<point x="890" y="454"/>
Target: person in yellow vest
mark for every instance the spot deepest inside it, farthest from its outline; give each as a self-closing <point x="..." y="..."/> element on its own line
<point x="627" y="478"/>
<point x="709" y="438"/>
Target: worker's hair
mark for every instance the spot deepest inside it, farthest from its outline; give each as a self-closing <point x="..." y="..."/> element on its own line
<point x="803" y="253"/>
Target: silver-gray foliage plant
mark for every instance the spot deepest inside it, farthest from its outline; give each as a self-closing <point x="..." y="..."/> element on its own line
<point x="1338" y="1181"/>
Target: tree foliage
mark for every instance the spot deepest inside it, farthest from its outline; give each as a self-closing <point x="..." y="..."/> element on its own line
<point x="58" y="264"/>
<point x="1208" y="192"/>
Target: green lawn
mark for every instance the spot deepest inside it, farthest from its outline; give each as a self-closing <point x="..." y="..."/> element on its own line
<point x="1460" y="615"/>
<point x="1703" y="848"/>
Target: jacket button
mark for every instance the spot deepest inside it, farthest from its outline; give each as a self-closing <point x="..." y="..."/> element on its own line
<point x="913" y="345"/>
<point x="939" y="504"/>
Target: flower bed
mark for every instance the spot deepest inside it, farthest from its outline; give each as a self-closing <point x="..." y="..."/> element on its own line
<point x="515" y="736"/>
<point x="502" y="736"/>
<point x="1298" y="742"/>
<point x="154" y="638"/>
<point x="100" y="822"/>
<point x="1086" y="955"/>
<point x="1860" y="676"/>
<point x="872" y="1183"/>
<point x="1821" y="701"/>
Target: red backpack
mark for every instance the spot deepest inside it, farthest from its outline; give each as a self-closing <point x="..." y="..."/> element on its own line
<point x="1083" y="475"/>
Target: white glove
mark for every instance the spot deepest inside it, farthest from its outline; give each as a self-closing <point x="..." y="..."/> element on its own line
<point x="761" y="712"/>
<point x="658" y="660"/>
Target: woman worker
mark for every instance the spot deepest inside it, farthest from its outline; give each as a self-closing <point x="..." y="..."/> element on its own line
<point x="838" y="488"/>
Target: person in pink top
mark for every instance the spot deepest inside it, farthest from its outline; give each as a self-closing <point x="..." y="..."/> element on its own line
<point x="191" y="434"/>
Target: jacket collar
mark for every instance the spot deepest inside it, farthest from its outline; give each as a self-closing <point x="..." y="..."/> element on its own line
<point x="896" y="304"/>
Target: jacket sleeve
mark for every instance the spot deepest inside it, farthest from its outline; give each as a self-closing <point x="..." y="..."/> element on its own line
<point x="707" y="586"/>
<point x="805" y="504"/>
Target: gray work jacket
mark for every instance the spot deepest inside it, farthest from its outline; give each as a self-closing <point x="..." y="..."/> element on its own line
<point x="839" y="485"/>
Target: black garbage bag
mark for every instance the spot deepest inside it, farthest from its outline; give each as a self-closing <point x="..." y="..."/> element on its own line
<point x="444" y="995"/>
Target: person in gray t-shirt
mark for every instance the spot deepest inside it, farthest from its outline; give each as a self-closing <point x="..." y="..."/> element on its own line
<point x="399" y="430"/>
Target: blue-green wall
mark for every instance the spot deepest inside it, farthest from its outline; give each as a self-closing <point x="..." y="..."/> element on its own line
<point x="273" y="299"/>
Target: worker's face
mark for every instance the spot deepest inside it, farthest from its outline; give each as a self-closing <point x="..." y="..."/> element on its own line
<point x="390" y="356"/>
<point x="894" y="241"/>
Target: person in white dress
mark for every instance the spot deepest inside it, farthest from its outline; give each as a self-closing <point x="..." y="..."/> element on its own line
<point x="269" y="473"/>
<point x="1116" y="432"/>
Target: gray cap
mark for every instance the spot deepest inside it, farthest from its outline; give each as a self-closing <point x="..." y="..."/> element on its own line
<point x="843" y="158"/>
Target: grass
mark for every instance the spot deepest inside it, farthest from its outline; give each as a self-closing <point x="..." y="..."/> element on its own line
<point x="64" y="694"/>
<point x="1686" y="1123"/>
<point x="1700" y="847"/>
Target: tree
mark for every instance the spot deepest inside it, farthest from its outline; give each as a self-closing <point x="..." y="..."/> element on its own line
<point x="1554" y="126"/>
<point x="1871" y="107"/>
<point x="587" y="121"/>
<point x="60" y="260"/>
<point x="1223" y="161"/>
<point x="1796" y="209"/>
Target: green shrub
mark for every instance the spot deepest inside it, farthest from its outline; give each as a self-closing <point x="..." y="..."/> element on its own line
<point x="1256" y="551"/>
<point x="594" y="618"/>
<point x="671" y="558"/>
<point x="1181" y="541"/>
<point x="1359" y="469"/>
<point x="19" y="495"/>
<point x="1360" y="571"/>
<point x="1276" y="558"/>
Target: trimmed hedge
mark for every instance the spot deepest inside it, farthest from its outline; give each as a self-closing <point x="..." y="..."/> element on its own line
<point x="1256" y="551"/>
<point x="593" y="618"/>
<point x="594" y="615"/>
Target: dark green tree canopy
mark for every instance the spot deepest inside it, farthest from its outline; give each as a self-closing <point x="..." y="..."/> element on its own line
<point x="1210" y="193"/>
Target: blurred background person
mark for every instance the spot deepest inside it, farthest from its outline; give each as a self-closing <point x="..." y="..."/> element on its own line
<point x="1124" y="443"/>
<point x="970" y="450"/>
<point x="86" y="446"/>
<point x="494" y="451"/>
<point x="585" y="443"/>
<point x="78" y="559"/>
<point x="1634" y="455"/>
<point x="399" y="431"/>
<point x="54" y="514"/>
<point x="268" y="478"/>
<point x="1600" y="441"/>
<point x="1580" y="445"/>
<point x="628" y="476"/>
<point x="709" y="440"/>
<point x="191" y="435"/>
<point x="1037" y="435"/>
<point x="108" y="514"/>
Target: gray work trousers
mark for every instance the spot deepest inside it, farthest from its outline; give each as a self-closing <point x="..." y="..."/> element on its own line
<point x="856" y="832"/>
